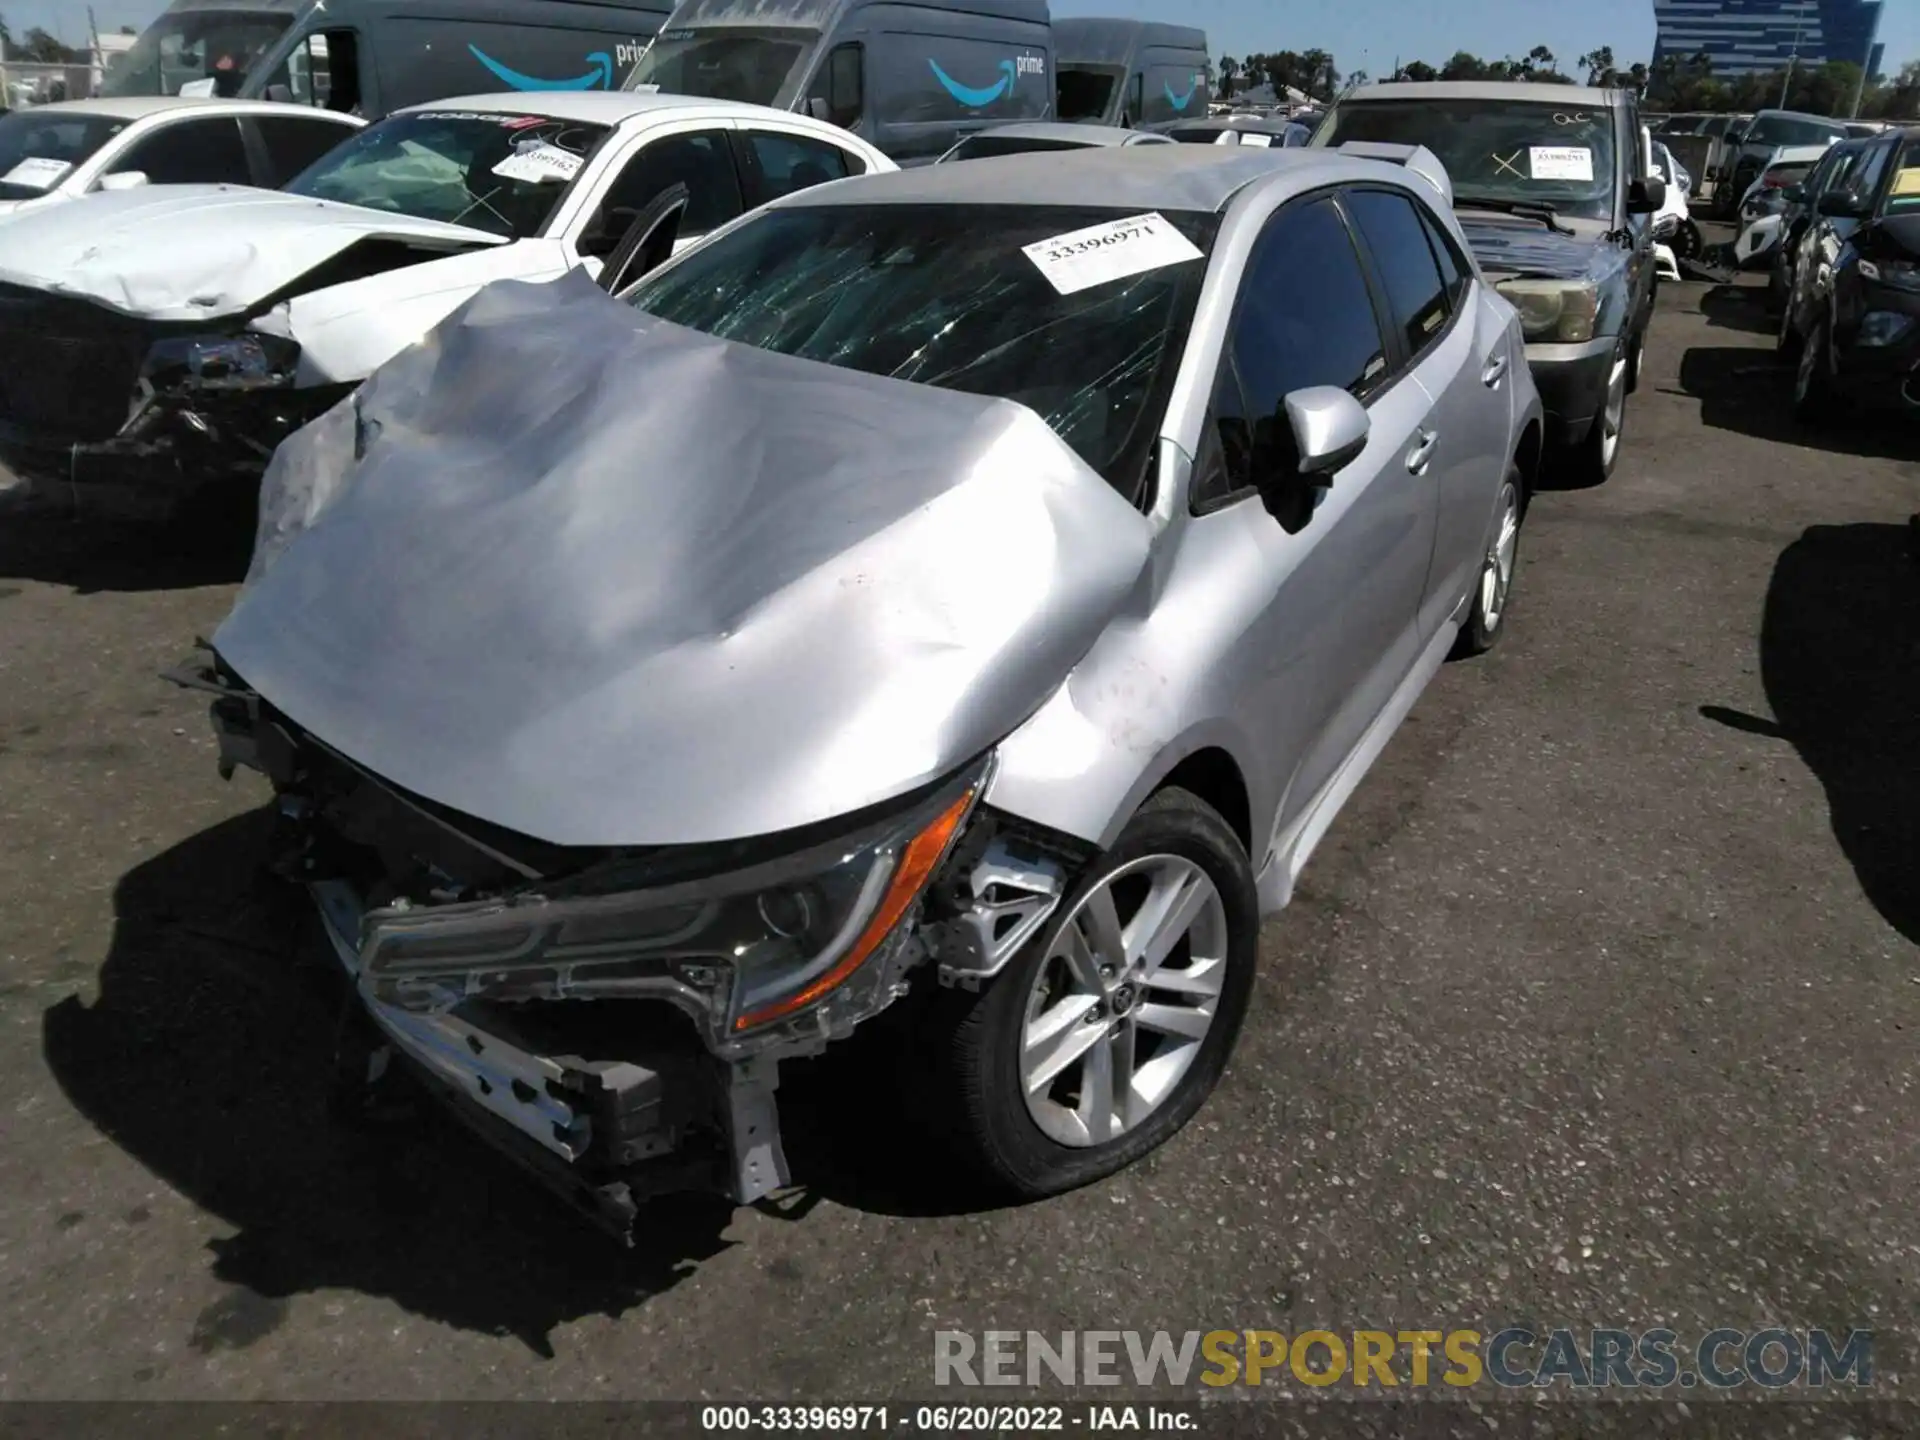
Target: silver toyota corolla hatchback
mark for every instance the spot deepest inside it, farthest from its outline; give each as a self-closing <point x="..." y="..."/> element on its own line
<point x="968" y="593"/>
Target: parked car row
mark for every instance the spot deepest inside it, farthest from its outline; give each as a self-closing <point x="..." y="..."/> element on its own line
<point x="1850" y="284"/>
<point x="704" y="572"/>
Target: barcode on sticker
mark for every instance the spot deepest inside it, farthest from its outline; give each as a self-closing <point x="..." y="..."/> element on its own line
<point x="1116" y="250"/>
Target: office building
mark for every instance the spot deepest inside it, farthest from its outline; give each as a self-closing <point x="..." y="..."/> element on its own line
<point x="1744" y="37"/>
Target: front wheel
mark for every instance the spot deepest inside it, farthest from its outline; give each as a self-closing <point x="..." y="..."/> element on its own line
<point x="1106" y="1036"/>
<point x="1493" y="593"/>
<point x="1591" y="461"/>
<point x="1814" y="396"/>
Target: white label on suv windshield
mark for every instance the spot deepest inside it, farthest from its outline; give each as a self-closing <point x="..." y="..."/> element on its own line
<point x="1113" y="251"/>
<point x="540" y="164"/>
<point x="37" y="173"/>
<point x="1561" y="162"/>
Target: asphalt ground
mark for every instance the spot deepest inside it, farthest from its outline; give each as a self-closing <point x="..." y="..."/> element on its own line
<point x="1597" y="1007"/>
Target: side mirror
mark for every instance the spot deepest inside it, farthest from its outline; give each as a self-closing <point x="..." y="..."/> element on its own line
<point x="818" y="108"/>
<point x="1330" y="429"/>
<point x="124" y="180"/>
<point x="1646" y="196"/>
<point x="1843" y="205"/>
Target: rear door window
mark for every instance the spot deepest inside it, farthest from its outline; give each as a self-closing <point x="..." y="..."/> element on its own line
<point x="779" y="164"/>
<point x="190" y="152"/>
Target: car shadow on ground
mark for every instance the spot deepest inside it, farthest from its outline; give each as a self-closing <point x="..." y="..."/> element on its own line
<point x="1840" y="659"/>
<point x="1750" y="392"/>
<point x="1733" y="306"/>
<point x="209" y="1055"/>
<point x="56" y="544"/>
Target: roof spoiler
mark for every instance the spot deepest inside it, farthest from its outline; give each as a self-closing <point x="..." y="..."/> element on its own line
<point x="1417" y="158"/>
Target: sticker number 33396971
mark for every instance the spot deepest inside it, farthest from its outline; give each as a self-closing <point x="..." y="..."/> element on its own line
<point x="1082" y="259"/>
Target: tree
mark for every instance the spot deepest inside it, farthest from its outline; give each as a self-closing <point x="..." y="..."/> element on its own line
<point x="1418" y="71"/>
<point x="44" y="49"/>
<point x="1599" y="66"/>
<point x="1318" y="75"/>
<point x="1229" y="67"/>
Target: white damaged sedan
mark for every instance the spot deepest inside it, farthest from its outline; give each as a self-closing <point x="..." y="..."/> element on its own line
<point x="157" y="338"/>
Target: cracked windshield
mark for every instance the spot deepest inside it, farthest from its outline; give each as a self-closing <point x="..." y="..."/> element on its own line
<point x="502" y="173"/>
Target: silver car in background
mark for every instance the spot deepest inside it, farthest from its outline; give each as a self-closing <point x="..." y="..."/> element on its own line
<point x="1034" y="136"/>
<point x="968" y="593"/>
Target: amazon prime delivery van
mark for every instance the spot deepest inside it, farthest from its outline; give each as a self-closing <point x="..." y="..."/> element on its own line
<point x="1130" y="72"/>
<point x="372" y="56"/>
<point x="909" y="76"/>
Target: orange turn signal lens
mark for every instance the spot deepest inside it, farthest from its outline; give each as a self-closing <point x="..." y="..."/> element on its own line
<point x="916" y="866"/>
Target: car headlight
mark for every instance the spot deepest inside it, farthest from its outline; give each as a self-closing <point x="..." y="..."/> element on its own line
<point x="1556" y="311"/>
<point x="1895" y="274"/>
<point x="759" y="944"/>
<point x="1884" y="327"/>
<point x="248" y="361"/>
<point x="1665" y="227"/>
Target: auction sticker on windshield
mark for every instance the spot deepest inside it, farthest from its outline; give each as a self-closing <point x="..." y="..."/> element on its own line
<point x="540" y="164"/>
<point x="1561" y="162"/>
<point x="37" y="173"/>
<point x="1082" y="259"/>
<point x="1907" y="182"/>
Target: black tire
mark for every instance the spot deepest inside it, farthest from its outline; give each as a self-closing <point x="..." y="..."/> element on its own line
<point x="1591" y="461"/>
<point x="1487" y="611"/>
<point x="976" y="1060"/>
<point x="1814" y="398"/>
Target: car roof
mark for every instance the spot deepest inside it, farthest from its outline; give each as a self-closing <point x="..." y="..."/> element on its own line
<point x="599" y="107"/>
<point x="1521" y="90"/>
<point x="139" y="107"/>
<point x="1129" y="177"/>
<point x="1088" y="135"/>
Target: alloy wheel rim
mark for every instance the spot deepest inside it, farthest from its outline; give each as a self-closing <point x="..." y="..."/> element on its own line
<point x="1614" y="416"/>
<point x="1496" y="577"/>
<point x="1126" y="995"/>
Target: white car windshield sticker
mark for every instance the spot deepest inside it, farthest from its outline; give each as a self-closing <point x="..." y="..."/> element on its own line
<point x="539" y="165"/>
<point x="1561" y="162"/>
<point x="1082" y="259"/>
<point x="1255" y="138"/>
<point x="37" y="173"/>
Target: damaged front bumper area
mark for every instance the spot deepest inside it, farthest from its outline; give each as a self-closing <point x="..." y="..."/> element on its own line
<point x="615" y="1019"/>
<point x="139" y="414"/>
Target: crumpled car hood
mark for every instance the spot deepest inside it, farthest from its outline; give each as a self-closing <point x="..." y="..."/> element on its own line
<point x="1512" y="246"/>
<point x="196" y="252"/>
<point x="603" y="580"/>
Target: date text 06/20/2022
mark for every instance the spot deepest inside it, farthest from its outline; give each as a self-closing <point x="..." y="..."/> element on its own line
<point x="1513" y="1358"/>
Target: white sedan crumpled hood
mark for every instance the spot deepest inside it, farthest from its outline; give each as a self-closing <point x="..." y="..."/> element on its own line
<point x="196" y="252"/>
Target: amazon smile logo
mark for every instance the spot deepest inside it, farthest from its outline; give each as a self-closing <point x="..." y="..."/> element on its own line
<point x="598" y="77"/>
<point x="1180" y="102"/>
<point x="978" y="99"/>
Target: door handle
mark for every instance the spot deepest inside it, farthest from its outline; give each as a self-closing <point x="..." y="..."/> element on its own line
<point x="1422" y="450"/>
<point x="1495" y="372"/>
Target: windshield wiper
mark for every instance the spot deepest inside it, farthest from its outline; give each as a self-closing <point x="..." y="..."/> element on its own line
<point x="1525" y="209"/>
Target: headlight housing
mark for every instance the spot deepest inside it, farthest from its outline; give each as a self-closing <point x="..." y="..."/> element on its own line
<point x="1560" y="312"/>
<point x="755" y="946"/>
<point x="247" y="361"/>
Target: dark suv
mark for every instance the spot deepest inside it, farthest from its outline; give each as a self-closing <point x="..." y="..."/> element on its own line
<point x="1554" y="187"/>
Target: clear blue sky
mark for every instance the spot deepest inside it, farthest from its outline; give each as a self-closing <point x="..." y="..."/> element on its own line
<point x="1377" y="30"/>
